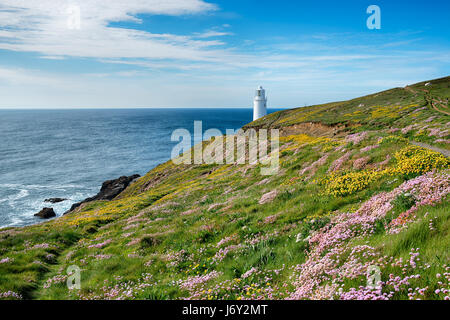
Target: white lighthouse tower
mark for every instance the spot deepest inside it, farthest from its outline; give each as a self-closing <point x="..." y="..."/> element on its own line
<point x="259" y="104"/>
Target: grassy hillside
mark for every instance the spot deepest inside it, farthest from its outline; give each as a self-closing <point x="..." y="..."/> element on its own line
<point x="363" y="184"/>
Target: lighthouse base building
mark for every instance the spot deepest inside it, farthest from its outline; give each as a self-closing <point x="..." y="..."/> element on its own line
<point x="259" y="104"/>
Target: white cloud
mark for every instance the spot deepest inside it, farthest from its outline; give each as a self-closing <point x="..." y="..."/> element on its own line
<point x="20" y="76"/>
<point x="43" y="26"/>
<point x="150" y="67"/>
<point x="211" y="34"/>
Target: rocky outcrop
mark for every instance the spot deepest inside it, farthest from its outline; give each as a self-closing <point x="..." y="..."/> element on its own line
<point x="55" y="200"/>
<point x="46" y="213"/>
<point x="110" y="189"/>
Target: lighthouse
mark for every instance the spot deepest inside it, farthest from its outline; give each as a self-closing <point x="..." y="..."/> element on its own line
<point x="259" y="104"/>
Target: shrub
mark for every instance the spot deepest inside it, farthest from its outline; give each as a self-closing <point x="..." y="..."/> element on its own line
<point x="410" y="160"/>
<point x="417" y="160"/>
<point x="349" y="183"/>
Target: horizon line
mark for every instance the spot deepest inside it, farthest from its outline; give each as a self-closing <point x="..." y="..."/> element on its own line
<point x="131" y="108"/>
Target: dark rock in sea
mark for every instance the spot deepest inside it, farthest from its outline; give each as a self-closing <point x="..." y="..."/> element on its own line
<point x="110" y="189"/>
<point x="55" y="200"/>
<point x="46" y="213"/>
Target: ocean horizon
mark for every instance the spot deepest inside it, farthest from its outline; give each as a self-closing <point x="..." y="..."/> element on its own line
<point x="68" y="153"/>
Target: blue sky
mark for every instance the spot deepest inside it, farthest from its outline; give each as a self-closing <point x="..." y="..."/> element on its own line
<point x="194" y="53"/>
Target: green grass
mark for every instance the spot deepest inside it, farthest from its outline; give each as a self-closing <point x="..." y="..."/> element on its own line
<point x="165" y="228"/>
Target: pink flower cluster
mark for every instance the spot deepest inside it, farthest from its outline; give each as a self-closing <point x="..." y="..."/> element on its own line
<point x="356" y="137"/>
<point x="430" y="119"/>
<point x="260" y="237"/>
<point x="365" y="293"/>
<point x="337" y="164"/>
<point x="313" y="167"/>
<point x="130" y="226"/>
<point x="249" y="273"/>
<point x="271" y="219"/>
<point x="56" y="279"/>
<point x="384" y="162"/>
<point x="368" y="148"/>
<point x="224" y="240"/>
<point x="223" y="252"/>
<point x="407" y="129"/>
<point x="100" y="245"/>
<point x="10" y="294"/>
<point x="360" y="163"/>
<point x="121" y="290"/>
<point x="175" y="258"/>
<point x="420" y="109"/>
<point x="258" y="287"/>
<point x="192" y="282"/>
<point x="6" y="260"/>
<point x="428" y="189"/>
<point x="330" y="244"/>
<point x="437" y="132"/>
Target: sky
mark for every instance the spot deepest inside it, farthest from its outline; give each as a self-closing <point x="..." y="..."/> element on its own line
<point x="196" y="54"/>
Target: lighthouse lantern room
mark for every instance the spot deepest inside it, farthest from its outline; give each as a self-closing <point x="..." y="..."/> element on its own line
<point x="259" y="104"/>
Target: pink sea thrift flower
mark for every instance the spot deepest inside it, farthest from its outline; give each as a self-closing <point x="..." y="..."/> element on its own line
<point x="331" y="258"/>
<point x="407" y="129"/>
<point x="6" y="260"/>
<point x="356" y="137"/>
<point x="249" y="273"/>
<point x="368" y="148"/>
<point x="312" y="168"/>
<point x="360" y="163"/>
<point x="268" y="197"/>
<point x="100" y="245"/>
<point x="337" y="164"/>
<point x="193" y="282"/>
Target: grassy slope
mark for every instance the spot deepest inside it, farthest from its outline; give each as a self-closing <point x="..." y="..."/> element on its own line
<point x="195" y="231"/>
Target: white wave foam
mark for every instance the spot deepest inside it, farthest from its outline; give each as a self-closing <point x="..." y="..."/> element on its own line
<point x="28" y="199"/>
<point x="10" y="199"/>
<point x="37" y="186"/>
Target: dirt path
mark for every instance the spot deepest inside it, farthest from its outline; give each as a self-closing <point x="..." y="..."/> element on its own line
<point x="432" y="101"/>
<point x="436" y="108"/>
<point x="407" y="88"/>
<point x="425" y="145"/>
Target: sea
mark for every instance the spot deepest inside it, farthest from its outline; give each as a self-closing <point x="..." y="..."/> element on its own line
<point x="69" y="153"/>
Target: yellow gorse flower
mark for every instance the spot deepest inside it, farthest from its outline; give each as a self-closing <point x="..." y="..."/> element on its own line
<point x="412" y="159"/>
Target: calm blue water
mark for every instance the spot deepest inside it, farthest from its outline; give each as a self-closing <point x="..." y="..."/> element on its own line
<point x="69" y="153"/>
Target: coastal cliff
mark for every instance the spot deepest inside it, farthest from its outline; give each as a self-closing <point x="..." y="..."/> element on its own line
<point x="109" y="190"/>
<point x="362" y="189"/>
